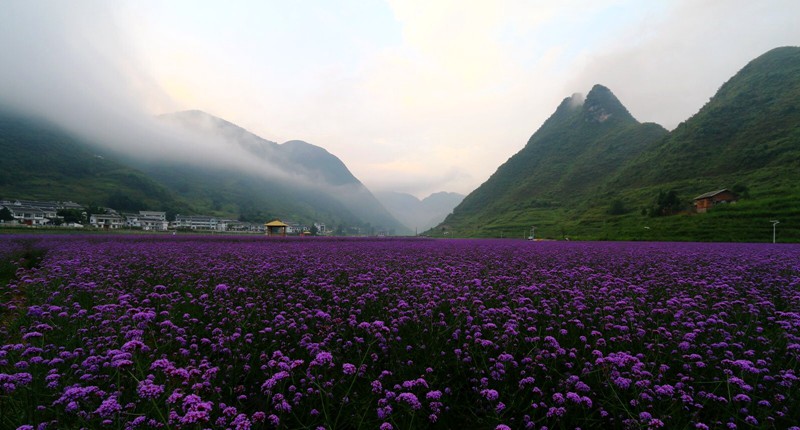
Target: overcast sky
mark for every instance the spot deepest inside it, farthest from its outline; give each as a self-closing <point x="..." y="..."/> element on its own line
<point x="414" y="96"/>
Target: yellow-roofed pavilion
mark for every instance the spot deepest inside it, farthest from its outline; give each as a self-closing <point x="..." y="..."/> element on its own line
<point x="276" y="228"/>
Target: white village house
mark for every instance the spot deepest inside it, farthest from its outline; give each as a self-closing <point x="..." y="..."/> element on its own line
<point x="108" y="221"/>
<point x="35" y="213"/>
<point x="200" y="222"/>
<point x="147" y="220"/>
<point x="295" y="228"/>
<point x="28" y="215"/>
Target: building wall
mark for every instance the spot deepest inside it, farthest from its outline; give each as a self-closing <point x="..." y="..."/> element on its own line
<point x="726" y="196"/>
<point x="703" y="205"/>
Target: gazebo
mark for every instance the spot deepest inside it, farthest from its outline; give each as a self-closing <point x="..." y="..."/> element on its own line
<point x="276" y="228"/>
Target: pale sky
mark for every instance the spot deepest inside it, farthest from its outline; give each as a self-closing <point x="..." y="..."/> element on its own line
<point x="414" y="96"/>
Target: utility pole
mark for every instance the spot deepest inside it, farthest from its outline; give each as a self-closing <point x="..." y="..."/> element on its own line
<point x="774" y="223"/>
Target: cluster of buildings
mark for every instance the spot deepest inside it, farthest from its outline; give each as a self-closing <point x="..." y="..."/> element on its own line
<point x="157" y="221"/>
<point x="36" y="213"/>
<point x="53" y="213"/>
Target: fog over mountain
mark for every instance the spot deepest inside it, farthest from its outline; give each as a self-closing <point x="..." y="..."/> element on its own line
<point x="305" y="179"/>
<point x="81" y="74"/>
<point x="62" y="71"/>
<point x="294" y="160"/>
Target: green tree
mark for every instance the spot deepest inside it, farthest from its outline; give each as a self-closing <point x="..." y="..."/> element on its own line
<point x="617" y="208"/>
<point x="5" y="214"/>
<point x="123" y="202"/>
<point x="94" y="208"/>
<point x="741" y="190"/>
<point x="666" y="204"/>
<point x="71" y="215"/>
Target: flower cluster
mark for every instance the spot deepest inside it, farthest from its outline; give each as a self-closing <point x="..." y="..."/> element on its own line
<point x="241" y="333"/>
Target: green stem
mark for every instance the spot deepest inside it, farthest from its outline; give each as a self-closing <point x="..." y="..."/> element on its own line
<point x="155" y="405"/>
<point x="322" y="399"/>
<point x="411" y="423"/>
<point x="353" y="381"/>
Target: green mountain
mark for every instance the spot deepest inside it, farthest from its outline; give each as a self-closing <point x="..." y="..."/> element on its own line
<point x="41" y="161"/>
<point x="321" y="164"/>
<point x="581" y="145"/>
<point x="295" y="156"/>
<point x="753" y="122"/>
<point x="298" y="182"/>
<point x="592" y="172"/>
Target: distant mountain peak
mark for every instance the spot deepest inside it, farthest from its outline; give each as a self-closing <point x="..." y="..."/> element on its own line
<point x="602" y="105"/>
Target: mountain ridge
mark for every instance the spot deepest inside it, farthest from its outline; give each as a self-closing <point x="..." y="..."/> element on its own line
<point x="316" y="183"/>
<point x="56" y="165"/>
<point x="746" y="137"/>
<point x="316" y="161"/>
<point x="580" y="137"/>
<point x="316" y="186"/>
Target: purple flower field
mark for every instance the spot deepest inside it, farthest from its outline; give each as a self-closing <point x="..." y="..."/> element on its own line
<point x="240" y="333"/>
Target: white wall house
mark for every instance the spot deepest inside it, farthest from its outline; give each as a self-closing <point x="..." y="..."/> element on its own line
<point x="31" y="212"/>
<point x="106" y="221"/>
<point x="29" y="215"/>
<point x="295" y="227"/>
<point x="154" y="215"/>
<point x="147" y="220"/>
<point x="35" y="212"/>
<point x="243" y="226"/>
<point x="200" y="222"/>
<point x="154" y="224"/>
